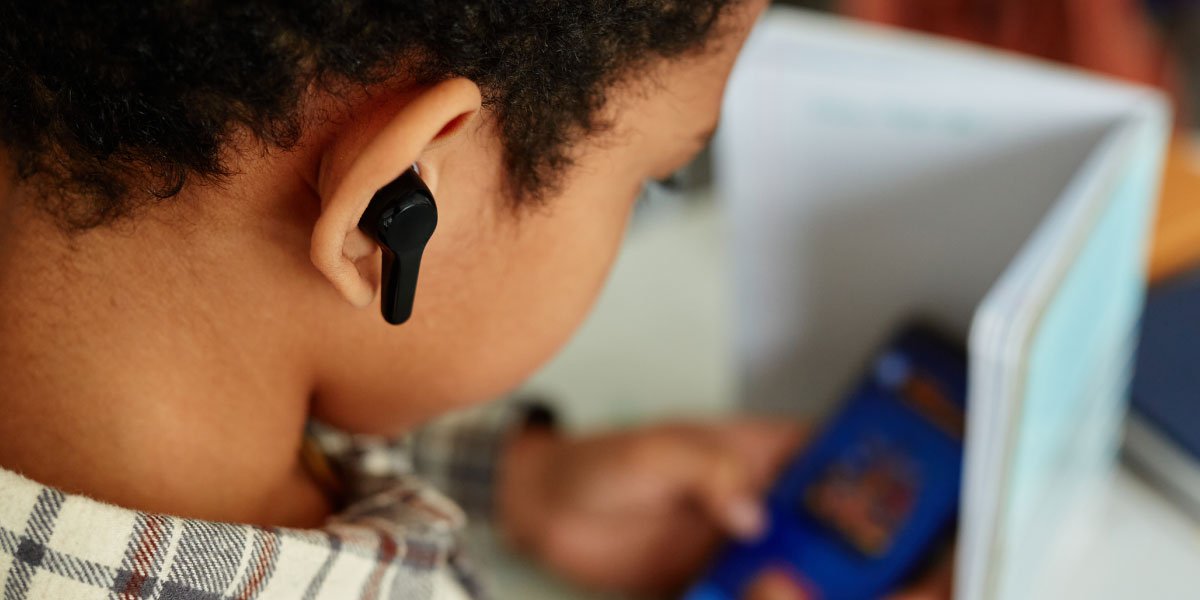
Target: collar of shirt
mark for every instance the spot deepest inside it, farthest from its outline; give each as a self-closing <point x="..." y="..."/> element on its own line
<point x="400" y="540"/>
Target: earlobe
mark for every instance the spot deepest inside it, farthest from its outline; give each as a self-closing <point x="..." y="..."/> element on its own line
<point x="375" y="149"/>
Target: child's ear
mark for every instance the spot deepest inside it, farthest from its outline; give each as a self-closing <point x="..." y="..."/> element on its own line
<point x="377" y="144"/>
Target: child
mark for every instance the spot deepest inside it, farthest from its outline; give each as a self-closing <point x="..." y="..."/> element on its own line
<point x="187" y="303"/>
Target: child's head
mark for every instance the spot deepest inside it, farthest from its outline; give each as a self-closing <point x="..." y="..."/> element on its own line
<point x="264" y="128"/>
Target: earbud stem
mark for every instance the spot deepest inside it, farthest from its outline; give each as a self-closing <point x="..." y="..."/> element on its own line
<point x="399" y="284"/>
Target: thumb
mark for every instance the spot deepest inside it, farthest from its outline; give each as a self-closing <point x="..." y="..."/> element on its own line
<point x="775" y="584"/>
<point x="723" y="485"/>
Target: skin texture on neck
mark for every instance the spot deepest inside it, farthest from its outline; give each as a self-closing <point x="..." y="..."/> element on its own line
<point x="166" y="343"/>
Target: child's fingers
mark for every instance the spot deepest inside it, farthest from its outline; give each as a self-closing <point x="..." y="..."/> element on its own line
<point x="775" y="584"/>
<point x="728" y="492"/>
<point x="717" y="478"/>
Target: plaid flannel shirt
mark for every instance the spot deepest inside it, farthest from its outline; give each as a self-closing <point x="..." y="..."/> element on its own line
<point x="397" y="536"/>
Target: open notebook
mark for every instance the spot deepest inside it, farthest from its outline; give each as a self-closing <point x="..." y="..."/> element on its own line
<point x="871" y="176"/>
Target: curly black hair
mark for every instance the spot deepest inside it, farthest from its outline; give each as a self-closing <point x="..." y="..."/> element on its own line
<point x="109" y="105"/>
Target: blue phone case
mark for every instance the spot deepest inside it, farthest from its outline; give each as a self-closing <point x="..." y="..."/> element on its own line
<point x="861" y="508"/>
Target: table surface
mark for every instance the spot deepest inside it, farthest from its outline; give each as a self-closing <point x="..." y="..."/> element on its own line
<point x="656" y="347"/>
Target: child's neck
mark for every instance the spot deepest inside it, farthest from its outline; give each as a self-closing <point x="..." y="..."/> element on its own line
<point x="134" y="372"/>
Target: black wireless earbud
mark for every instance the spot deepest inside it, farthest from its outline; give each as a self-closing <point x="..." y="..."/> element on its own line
<point x="401" y="218"/>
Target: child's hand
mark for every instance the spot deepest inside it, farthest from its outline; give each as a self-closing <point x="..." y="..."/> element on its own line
<point x="640" y="511"/>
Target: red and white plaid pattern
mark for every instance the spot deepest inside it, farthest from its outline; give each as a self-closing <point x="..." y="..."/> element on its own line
<point x="397" y="538"/>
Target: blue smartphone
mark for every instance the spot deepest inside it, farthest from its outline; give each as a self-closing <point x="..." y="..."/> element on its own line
<point x="860" y="509"/>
